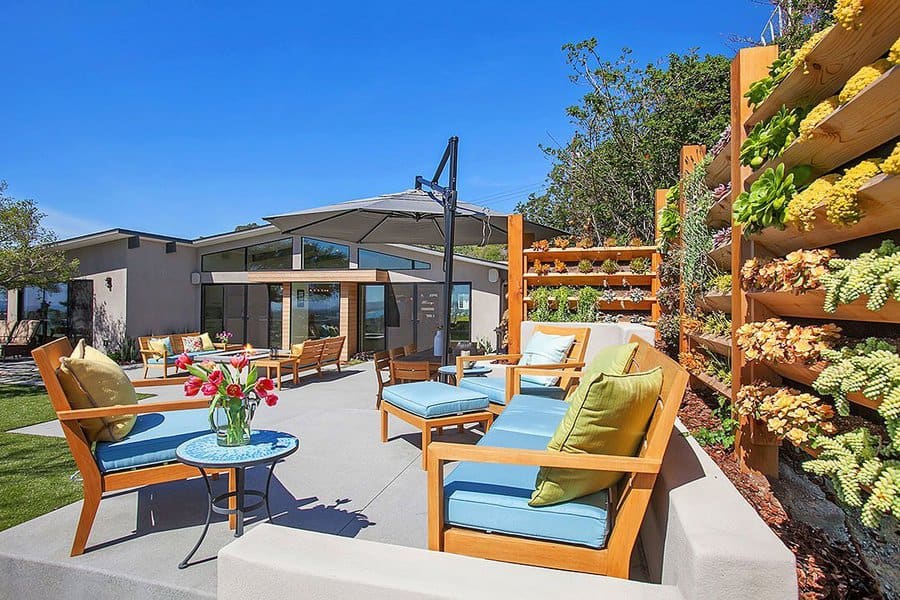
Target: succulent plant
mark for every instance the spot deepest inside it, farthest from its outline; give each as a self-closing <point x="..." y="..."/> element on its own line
<point x="585" y="266"/>
<point x="561" y="242"/>
<point x="609" y="266"/>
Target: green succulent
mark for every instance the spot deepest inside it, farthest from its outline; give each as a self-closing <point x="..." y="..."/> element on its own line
<point x="765" y="204"/>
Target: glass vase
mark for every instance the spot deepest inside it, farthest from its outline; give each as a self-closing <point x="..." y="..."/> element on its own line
<point x="231" y="422"/>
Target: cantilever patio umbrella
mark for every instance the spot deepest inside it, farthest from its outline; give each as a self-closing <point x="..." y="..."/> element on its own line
<point x="414" y="216"/>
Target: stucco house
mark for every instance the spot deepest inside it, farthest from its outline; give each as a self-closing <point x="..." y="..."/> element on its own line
<point x="267" y="288"/>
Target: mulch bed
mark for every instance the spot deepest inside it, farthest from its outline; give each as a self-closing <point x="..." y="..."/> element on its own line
<point x="825" y="569"/>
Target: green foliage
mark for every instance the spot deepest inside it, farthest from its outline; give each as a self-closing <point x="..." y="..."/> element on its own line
<point x="669" y="221"/>
<point x="720" y="284"/>
<point x="561" y="296"/>
<point x="853" y="461"/>
<point x="629" y="128"/>
<point x="871" y="368"/>
<point x="26" y="254"/>
<point x="716" y="323"/>
<point x="609" y="266"/>
<point x="778" y="70"/>
<point x="718" y="367"/>
<point x="723" y="435"/>
<point x="669" y="328"/>
<point x="639" y="265"/>
<point x="124" y="351"/>
<point x="586" y="311"/>
<point x="875" y="274"/>
<point x="764" y="205"/>
<point x="585" y="266"/>
<point x="769" y="138"/>
<point x="696" y="238"/>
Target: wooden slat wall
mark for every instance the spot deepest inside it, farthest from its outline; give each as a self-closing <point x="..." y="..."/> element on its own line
<point x="349" y="318"/>
<point x="285" y="316"/>
<point x="656" y="260"/>
<point x="516" y="289"/>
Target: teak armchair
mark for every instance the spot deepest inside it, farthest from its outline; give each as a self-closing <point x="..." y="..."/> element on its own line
<point x="565" y="370"/>
<point x="628" y="500"/>
<point x="20" y="338"/>
<point x="95" y="483"/>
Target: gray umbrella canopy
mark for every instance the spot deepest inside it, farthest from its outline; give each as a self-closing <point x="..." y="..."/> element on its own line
<point x="410" y="217"/>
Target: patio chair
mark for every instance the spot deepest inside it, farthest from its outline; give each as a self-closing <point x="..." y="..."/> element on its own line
<point x="595" y="533"/>
<point x="308" y="355"/>
<point x="143" y="457"/>
<point x="406" y="371"/>
<point x="499" y="388"/>
<point x="21" y="338"/>
<point x="6" y="328"/>
<point x="153" y="358"/>
<point x="331" y="351"/>
<point x="382" y="366"/>
<point x="396" y="353"/>
<point x="409" y="349"/>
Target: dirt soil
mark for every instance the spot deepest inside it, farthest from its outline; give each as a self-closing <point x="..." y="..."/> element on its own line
<point x="828" y="562"/>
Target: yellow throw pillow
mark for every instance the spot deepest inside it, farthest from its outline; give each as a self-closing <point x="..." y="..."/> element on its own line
<point x="207" y="342"/>
<point x="161" y="346"/>
<point x="296" y="349"/>
<point x="611" y="418"/>
<point x="91" y="379"/>
<point x="612" y="360"/>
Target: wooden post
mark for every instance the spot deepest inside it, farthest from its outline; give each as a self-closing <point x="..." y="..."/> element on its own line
<point x="515" y="288"/>
<point x="688" y="159"/>
<point x="285" y="316"/>
<point x="656" y="260"/>
<point x="349" y="318"/>
<point x="751" y="64"/>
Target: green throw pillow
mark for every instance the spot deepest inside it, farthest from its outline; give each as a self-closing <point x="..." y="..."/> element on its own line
<point x="207" y="342"/>
<point x="612" y="360"/>
<point x="611" y="418"/>
<point x="91" y="379"/>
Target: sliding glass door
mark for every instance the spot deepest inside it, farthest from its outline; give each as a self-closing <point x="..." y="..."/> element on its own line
<point x="248" y="312"/>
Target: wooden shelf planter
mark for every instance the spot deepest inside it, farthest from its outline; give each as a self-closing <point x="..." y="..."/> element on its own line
<point x="806" y="374"/>
<point x="869" y="120"/>
<point x="618" y="305"/>
<point x="599" y="253"/>
<point x="719" y="344"/>
<point x="712" y="383"/>
<point x="721" y="256"/>
<point x="595" y="279"/>
<point x="715" y="302"/>
<point x="879" y="201"/>
<point x="719" y="170"/>
<point x="720" y="213"/>
<point x="839" y="55"/>
<point x="810" y="306"/>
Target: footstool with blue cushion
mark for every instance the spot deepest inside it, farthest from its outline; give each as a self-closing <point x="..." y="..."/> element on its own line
<point x="430" y="404"/>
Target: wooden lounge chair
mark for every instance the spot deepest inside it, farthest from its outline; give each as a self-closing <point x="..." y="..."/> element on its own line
<point x="382" y="367"/>
<point x="309" y="356"/>
<point x="97" y="477"/>
<point x="406" y="371"/>
<point x="625" y="505"/>
<point x="331" y="352"/>
<point x="6" y="329"/>
<point x="499" y="388"/>
<point x="21" y="338"/>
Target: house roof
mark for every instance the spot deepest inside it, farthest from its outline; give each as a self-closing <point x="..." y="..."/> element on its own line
<point x="112" y="235"/>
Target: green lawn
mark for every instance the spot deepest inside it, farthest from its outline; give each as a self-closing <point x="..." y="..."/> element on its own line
<point x="34" y="469"/>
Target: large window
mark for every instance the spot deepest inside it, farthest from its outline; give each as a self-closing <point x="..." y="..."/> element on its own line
<point x="227" y="260"/>
<point x="270" y="256"/>
<point x="461" y="312"/>
<point x="51" y="306"/>
<point x="318" y="254"/>
<point x="4" y="303"/>
<point x="251" y="313"/>
<point x="315" y="311"/>
<point x="369" y="259"/>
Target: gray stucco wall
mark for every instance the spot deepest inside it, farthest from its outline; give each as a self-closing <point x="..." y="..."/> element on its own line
<point x="161" y="298"/>
<point x="97" y="263"/>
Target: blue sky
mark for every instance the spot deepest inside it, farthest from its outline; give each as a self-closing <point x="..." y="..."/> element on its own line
<point x="187" y="118"/>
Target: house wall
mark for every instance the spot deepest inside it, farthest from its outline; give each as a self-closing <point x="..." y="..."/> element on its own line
<point x="97" y="263"/>
<point x="161" y="298"/>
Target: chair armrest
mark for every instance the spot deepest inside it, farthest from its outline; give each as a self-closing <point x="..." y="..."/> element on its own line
<point x="158" y="382"/>
<point x="446" y="451"/>
<point x="131" y="409"/>
<point x="485" y="357"/>
<point x="514" y="374"/>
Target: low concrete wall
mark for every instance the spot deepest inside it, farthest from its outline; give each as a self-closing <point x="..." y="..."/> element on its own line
<point x="602" y="334"/>
<point x="701" y="541"/>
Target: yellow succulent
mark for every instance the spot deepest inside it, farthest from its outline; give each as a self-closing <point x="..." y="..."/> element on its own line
<point x="796" y="436"/>
<point x="843" y="205"/>
<point x="894" y="52"/>
<point x="891" y="164"/>
<point x="818" y="114"/>
<point x="862" y="78"/>
<point x="801" y="54"/>
<point x="847" y="13"/>
<point x="801" y="210"/>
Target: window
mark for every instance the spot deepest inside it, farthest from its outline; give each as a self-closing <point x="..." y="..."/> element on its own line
<point x="461" y="312"/>
<point x="373" y="318"/>
<point x="251" y="313"/>
<point x="369" y="259"/>
<point x="227" y="260"/>
<point x="325" y="255"/>
<point x="315" y="311"/>
<point x="4" y="303"/>
<point x="51" y="306"/>
<point x="270" y="256"/>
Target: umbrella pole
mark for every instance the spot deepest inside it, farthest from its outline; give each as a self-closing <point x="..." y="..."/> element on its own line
<point x="449" y="234"/>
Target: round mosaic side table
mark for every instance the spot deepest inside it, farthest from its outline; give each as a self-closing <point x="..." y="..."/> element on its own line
<point x="265" y="448"/>
<point x="449" y="371"/>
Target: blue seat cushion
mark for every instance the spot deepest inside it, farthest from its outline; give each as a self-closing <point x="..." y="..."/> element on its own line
<point x="533" y="415"/>
<point x="157" y="360"/>
<point x="202" y="353"/>
<point x="495" y="388"/>
<point x="152" y="440"/>
<point x="430" y="399"/>
<point x="494" y="498"/>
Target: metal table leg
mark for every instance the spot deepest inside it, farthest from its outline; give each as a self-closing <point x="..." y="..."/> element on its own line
<point x="209" y="510"/>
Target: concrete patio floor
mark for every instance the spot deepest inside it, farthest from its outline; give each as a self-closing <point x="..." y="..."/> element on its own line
<point x="343" y="481"/>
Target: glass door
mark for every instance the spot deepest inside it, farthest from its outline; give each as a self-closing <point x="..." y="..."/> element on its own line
<point x="81" y="310"/>
<point x="400" y="314"/>
<point x="429" y="313"/>
<point x="258" y="316"/>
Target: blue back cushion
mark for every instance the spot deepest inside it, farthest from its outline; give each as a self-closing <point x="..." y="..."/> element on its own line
<point x="543" y="349"/>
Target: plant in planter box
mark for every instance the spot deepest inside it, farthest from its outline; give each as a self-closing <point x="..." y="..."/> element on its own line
<point x="637" y="295"/>
<point x="541" y="268"/>
<point x="609" y="266"/>
<point x="769" y="138"/>
<point x="765" y="204"/>
<point x="778" y="341"/>
<point x="561" y="297"/>
<point x="540" y="245"/>
<point x="585" y="243"/>
<point x="586" y="311"/>
<point x="608" y="294"/>
<point x="585" y="266"/>
<point x="561" y="242"/>
<point x="560" y="266"/>
<point x="540" y="305"/>
<point x="636" y="241"/>
<point x="720" y="284"/>
<point x="669" y="221"/>
<point x="611" y="241"/>
<point x="639" y="265"/>
<point x="875" y="274"/>
<point x="787" y="413"/>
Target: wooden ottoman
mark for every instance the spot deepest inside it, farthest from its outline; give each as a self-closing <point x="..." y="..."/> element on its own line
<point x="430" y="404"/>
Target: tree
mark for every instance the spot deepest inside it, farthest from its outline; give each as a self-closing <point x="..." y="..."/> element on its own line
<point x="629" y="128"/>
<point x="27" y="255"/>
<point x="793" y="22"/>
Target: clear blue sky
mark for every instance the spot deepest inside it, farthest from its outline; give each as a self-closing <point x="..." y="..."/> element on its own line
<point x="187" y="118"/>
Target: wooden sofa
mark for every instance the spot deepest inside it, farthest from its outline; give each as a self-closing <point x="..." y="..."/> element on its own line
<point x="145" y="456"/>
<point x="312" y="355"/>
<point x="499" y="388"/>
<point x="594" y="534"/>
<point x="153" y="359"/>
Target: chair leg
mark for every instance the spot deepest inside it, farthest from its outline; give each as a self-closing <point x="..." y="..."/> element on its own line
<point x="232" y="502"/>
<point x="384" y="425"/>
<point x="426" y="439"/>
<point x="92" y="495"/>
<point x="146" y="368"/>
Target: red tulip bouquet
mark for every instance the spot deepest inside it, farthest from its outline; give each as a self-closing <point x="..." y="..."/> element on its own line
<point x="236" y="391"/>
